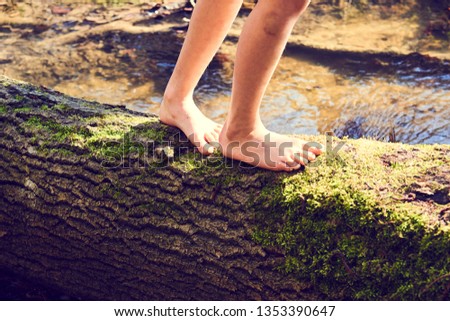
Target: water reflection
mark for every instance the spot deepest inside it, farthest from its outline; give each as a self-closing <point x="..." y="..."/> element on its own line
<point x="367" y="95"/>
<point x="311" y="92"/>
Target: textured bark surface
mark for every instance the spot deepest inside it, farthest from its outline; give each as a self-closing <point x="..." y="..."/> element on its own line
<point x="104" y="203"/>
<point x="125" y="233"/>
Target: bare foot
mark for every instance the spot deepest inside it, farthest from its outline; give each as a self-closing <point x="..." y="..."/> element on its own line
<point x="201" y="131"/>
<point x="263" y="148"/>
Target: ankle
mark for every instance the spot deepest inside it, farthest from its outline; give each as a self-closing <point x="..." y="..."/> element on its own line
<point x="174" y="99"/>
<point x="241" y="132"/>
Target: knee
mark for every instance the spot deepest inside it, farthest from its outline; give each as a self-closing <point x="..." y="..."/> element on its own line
<point x="296" y="6"/>
<point x="281" y="14"/>
<point x="289" y="8"/>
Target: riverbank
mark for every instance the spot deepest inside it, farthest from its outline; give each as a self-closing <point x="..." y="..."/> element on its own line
<point x="400" y="29"/>
<point x="396" y="29"/>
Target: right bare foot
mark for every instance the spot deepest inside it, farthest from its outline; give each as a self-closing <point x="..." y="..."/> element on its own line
<point x="200" y="130"/>
<point x="263" y="148"/>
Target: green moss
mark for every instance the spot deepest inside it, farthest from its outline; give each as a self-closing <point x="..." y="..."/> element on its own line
<point x="189" y="162"/>
<point x="115" y="149"/>
<point x="61" y="107"/>
<point x="109" y="141"/>
<point x="57" y="132"/>
<point x="22" y="109"/>
<point x="45" y="107"/>
<point x="117" y="136"/>
<point x="19" y="98"/>
<point x="111" y="136"/>
<point x="34" y="122"/>
<point x="214" y="165"/>
<point x="349" y="238"/>
<point x="151" y="134"/>
<point x="119" y="119"/>
<point x="3" y="109"/>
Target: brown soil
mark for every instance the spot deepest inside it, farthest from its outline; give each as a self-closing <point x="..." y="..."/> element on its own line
<point x="432" y="190"/>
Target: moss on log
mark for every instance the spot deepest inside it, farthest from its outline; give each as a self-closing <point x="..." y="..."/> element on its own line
<point x="105" y="203"/>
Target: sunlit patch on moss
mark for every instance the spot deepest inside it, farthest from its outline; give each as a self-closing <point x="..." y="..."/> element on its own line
<point x="108" y="135"/>
<point x="115" y="135"/>
<point x="119" y="119"/>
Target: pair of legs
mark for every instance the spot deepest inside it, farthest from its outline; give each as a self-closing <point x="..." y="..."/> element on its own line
<point x="263" y="39"/>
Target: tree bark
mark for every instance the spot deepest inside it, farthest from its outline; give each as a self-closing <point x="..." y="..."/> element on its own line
<point x="77" y="215"/>
<point x="125" y="233"/>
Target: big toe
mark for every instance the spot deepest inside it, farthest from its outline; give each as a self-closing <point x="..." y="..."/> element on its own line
<point x="212" y="137"/>
<point x="203" y="147"/>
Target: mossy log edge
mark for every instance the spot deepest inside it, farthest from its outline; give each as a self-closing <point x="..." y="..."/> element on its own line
<point x="106" y="203"/>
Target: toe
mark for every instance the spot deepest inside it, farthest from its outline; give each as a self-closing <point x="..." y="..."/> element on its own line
<point x="290" y="166"/>
<point x="206" y="149"/>
<point x="216" y="135"/>
<point x="300" y="159"/>
<point x="290" y="163"/>
<point x="203" y="147"/>
<point x="314" y="148"/>
<point x="211" y="137"/>
<point x="311" y="156"/>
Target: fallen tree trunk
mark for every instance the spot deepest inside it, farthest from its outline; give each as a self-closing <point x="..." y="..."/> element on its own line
<point x="105" y="203"/>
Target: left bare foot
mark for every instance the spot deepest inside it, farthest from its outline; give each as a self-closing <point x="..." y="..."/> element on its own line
<point x="201" y="131"/>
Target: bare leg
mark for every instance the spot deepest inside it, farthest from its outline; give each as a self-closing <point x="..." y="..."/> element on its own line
<point x="261" y="44"/>
<point x="209" y="25"/>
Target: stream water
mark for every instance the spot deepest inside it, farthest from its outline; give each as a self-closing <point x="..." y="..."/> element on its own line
<point x="312" y="91"/>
